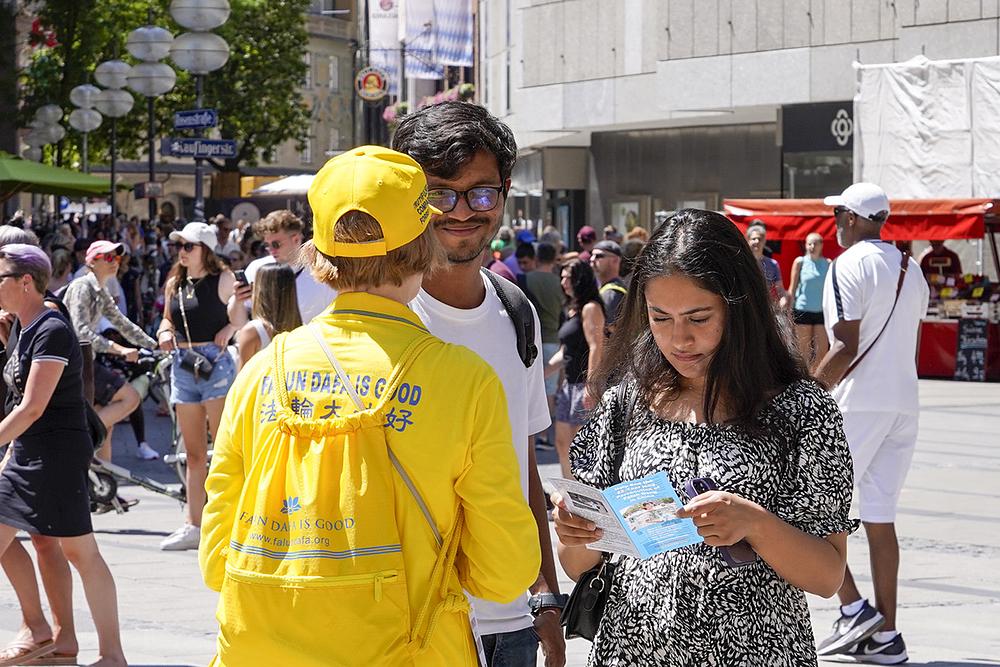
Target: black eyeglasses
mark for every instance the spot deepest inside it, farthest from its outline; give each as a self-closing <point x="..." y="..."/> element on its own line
<point x="480" y="198"/>
<point x="11" y="275"/>
<point x="186" y="247"/>
<point x="838" y="210"/>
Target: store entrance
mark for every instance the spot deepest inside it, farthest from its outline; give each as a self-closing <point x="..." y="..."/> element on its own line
<point x="567" y="212"/>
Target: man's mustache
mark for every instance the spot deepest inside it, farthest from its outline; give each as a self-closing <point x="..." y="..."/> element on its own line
<point x="475" y="220"/>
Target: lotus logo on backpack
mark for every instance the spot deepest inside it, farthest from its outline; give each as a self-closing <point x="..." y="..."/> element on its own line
<point x="290" y="505"/>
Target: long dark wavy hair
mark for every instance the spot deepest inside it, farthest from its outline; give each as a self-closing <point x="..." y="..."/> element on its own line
<point x="754" y="360"/>
<point x="583" y="284"/>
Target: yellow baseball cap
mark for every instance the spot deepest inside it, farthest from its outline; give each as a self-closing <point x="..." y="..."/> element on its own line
<point x="387" y="185"/>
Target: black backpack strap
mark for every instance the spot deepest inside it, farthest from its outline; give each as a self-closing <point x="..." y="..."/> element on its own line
<point x="519" y="310"/>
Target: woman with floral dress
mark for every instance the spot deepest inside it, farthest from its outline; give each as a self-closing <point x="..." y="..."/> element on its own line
<point x="715" y="392"/>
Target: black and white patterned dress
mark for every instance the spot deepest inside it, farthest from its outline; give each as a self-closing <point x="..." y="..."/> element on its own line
<point x="686" y="608"/>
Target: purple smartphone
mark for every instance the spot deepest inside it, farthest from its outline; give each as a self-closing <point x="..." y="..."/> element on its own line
<point x="737" y="555"/>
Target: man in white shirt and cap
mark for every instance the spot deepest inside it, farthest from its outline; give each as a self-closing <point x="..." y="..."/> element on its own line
<point x="873" y="301"/>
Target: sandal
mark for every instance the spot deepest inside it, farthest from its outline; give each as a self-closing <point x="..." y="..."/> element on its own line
<point x="19" y="651"/>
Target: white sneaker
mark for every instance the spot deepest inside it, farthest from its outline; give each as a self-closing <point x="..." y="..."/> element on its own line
<point x="184" y="538"/>
<point x="146" y="453"/>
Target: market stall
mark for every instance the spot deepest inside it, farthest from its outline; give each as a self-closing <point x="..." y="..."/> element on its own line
<point x="948" y="348"/>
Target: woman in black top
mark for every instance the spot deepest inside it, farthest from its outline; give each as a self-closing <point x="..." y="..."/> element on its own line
<point x="581" y="340"/>
<point x="43" y="482"/>
<point x="717" y="392"/>
<point x="195" y="318"/>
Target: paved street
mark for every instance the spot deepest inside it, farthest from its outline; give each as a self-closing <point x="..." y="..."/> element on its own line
<point x="949" y="520"/>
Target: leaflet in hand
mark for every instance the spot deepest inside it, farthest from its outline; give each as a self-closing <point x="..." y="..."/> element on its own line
<point x="638" y="517"/>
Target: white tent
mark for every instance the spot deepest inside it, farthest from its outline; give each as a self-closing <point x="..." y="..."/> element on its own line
<point x="288" y="186"/>
<point x="927" y="129"/>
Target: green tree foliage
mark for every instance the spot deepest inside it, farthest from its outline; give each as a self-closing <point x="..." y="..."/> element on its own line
<point x="257" y="93"/>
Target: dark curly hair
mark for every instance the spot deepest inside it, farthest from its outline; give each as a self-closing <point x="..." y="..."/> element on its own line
<point x="755" y="359"/>
<point x="444" y="137"/>
<point x="583" y="284"/>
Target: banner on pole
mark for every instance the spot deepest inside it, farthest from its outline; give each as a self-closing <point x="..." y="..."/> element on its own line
<point x="383" y="39"/>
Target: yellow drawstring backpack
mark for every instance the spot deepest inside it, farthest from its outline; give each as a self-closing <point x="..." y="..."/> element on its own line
<point x="316" y="538"/>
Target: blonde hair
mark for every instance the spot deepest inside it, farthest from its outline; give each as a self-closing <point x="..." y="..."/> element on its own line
<point x="638" y="233"/>
<point x="421" y="255"/>
<point x="814" y="237"/>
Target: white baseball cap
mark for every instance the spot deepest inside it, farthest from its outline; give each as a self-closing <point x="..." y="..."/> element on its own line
<point x="197" y="232"/>
<point x="865" y="199"/>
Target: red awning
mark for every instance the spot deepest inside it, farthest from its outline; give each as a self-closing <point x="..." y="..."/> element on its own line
<point x="911" y="219"/>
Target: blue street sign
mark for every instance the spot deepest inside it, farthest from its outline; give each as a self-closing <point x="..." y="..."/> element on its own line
<point x="195" y="119"/>
<point x="203" y="148"/>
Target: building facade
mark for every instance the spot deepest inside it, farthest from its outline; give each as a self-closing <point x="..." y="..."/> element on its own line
<point x="622" y="109"/>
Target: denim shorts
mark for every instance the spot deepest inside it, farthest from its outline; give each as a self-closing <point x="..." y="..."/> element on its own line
<point x="185" y="389"/>
<point x="569" y="404"/>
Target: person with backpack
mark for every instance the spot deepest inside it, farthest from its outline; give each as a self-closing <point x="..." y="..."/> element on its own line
<point x="363" y="477"/>
<point x="468" y="156"/>
<point x="606" y="260"/>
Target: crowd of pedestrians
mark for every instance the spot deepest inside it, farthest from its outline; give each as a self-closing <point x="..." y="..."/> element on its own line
<point x="372" y="388"/>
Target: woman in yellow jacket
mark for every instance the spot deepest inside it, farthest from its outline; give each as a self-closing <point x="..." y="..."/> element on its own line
<point x="351" y="502"/>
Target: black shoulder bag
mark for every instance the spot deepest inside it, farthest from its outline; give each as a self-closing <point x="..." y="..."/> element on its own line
<point x="585" y="607"/>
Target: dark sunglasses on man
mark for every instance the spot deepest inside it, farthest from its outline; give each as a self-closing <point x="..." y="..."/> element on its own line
<point x="481" y="198"/>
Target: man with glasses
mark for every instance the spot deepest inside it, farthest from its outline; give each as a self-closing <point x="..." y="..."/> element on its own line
<point x="88" y="300"/>
<point x="468" y="156"/>
<point x="282" y="232"/>
<point x="606" y="259"/>
<point x="873" y="301"/>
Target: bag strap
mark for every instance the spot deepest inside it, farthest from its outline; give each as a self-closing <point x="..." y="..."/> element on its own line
<point x="519" y="310"/>
<point x="904" y="265"/>
<point x="187" y="331"/>
<point x="405" y="362"/>
<point x="628" y="399"/>
<point x="184" y="317"/>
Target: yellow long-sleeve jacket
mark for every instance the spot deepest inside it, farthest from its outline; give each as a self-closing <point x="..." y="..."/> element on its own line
<point x="447" y="424"/>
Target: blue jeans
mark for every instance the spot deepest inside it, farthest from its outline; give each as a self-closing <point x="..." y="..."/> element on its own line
<point x="511" y="649"/>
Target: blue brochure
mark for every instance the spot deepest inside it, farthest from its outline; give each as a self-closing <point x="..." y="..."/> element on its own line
<point x="638" y="517"/>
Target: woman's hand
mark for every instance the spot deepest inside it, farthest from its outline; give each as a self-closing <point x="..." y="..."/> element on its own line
<point x="167" y="341"/>
<point x="225" y="334"/>
<point x="573" y="531"/>
<point x="723" y="518"/>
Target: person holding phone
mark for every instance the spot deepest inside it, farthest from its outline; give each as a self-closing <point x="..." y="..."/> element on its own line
<point x="197" y="328"/>
<point x="716" y="394"/>
<point x="283" y="233"/>
<point x="275" y="309"/>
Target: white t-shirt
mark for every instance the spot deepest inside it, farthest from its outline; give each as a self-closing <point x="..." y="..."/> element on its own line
<point x="487" y="331"/>
<point x="313" y="297"/>
<point x="867" y="275"/>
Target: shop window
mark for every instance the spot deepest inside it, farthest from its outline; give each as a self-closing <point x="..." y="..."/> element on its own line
<point x="309" y="70"/>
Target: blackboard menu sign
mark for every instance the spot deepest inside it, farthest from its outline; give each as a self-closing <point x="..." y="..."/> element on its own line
<point x="970" y="357"/>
